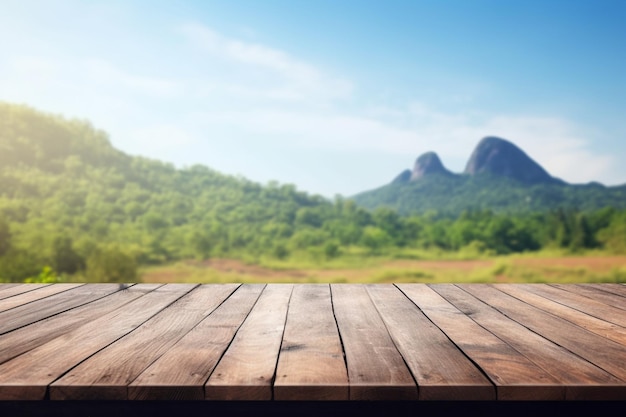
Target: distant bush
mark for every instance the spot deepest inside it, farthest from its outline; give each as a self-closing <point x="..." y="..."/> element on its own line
<point x="280" y="251"/>
<point x="46" y="276"/>
<point x="17" y="265"/>
<point x="111" y="264"/>
<point x="331" y="250"/>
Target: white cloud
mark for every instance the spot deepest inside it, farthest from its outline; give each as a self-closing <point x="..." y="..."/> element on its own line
<point x="286" y="78"/>
<point x="250" y="53"/>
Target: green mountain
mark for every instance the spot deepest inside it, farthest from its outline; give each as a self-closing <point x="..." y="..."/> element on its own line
<point x="499" y="177"/>
<point x="67" y="195"/>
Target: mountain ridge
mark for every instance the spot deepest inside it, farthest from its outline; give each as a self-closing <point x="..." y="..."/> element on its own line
<point x="501" y="157"/>
<point x="498" y="176"/>
<point x="493" y="155"/>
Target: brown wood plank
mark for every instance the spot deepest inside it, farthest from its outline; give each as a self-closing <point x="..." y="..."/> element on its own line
<point x="5" y="285"/>
<point x="247" y="368"/>
<point x="441" y="370"/>
<point x="595" y="294"/>
<point x="570" y="308"/>
<point x="582" y="380"/>
<point x="285" y="342"/>
<point x="180" y="374"/>
<point x="616" y="289"/>
<point x="54" y="304"/>
<point x="29" y="337"/>
<point x="38" y="293"/>
<point x="582" y="303"/>
<point x="106" y="374"/>
<point x="602" y="352"/>
<point x="27" y="376"/>
<point x="310" y="364"/>
<point x="515" y="376"/>
<point x="10" y="290"/>
<point x="376" y="370"/>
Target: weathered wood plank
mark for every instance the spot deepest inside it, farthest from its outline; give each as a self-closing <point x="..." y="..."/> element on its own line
<point x="619" y="289"/>
<point x="23" y="299"/>
<point x="311" y="364"/>
<point x="595" y="294"/>
<point x="284" y="341"/>
<point x="376" y="370"/>
<point x="570" y="308"/>
<point x="29" y="337"/>
<point x="441" y="370"/>
<point x="598" y="350"/>
<point x="7" y="285"/>
<point x="10" y="290"/>
<point x="27" y="376"/>
<point x="582" y="380"/>
<point x="579" y="302"/>
<point x="181" y="372"/>
<point x="247" y="369"/>
<point x="515" y="376"/>
<point x="54" y="304"/>
<point x="106" y="374"/>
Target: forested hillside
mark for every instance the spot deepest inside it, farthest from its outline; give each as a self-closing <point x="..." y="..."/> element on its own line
<point x="71" y="204"/>
<point x="499" y="176"/>
<point x="454" y="194"/>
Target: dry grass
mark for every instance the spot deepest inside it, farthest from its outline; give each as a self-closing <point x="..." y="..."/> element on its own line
<point x="519" y="269"/>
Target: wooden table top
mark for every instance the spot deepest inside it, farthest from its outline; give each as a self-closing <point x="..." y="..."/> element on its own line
<point x="312" y="342"/>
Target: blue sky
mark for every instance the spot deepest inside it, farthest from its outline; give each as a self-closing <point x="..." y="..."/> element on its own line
<point x="336" y="97"/>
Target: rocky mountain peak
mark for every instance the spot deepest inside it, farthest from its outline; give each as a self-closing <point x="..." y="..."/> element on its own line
<point x="501" y="157"/>
<point x="428" y="164"/>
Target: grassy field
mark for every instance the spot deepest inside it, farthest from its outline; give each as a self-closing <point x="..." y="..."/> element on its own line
<point x="536" y="268"/>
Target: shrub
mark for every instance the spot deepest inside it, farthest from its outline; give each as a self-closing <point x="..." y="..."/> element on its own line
<point x="111" y="264"/>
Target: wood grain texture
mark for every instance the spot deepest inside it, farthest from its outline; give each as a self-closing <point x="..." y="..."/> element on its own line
<point x="579" y="302"/>
<point x="570" y="308"/>
<point x="311" y="364"/>
<point x="441" y="370"/>
<point x="10" y="290"/>
<point x="183" y="370"/>
<point x="598" y="350"/>
<point x="29" y="337"/>
<point x="246" y="371"/>
<point x="52" y="305"/>
<point x="28" y="376"/>
<point x="581" y="379"/>
<point x="106" y="374"/>
<point x="315" y="341"/>
<point x="6" y="286"/>
<point x="605" y="297"/>
<point x="515" y="376"/>
<point x="22" y="300"/>
<point x="615" y="289"/>
<point x="376" y="370"/>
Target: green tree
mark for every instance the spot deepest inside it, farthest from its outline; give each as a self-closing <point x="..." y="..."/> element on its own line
<point x="201" y="244"/>
<point x="375" y="238"/>
<point x="5" y="236"/>
<point x="280" y="251"/>
<point x="331" y="249"/>
<point x="64" y="257"/>
<point x="17" y="265"/>
<point x="111" y="264"/>
<point x="582" y="236"/>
